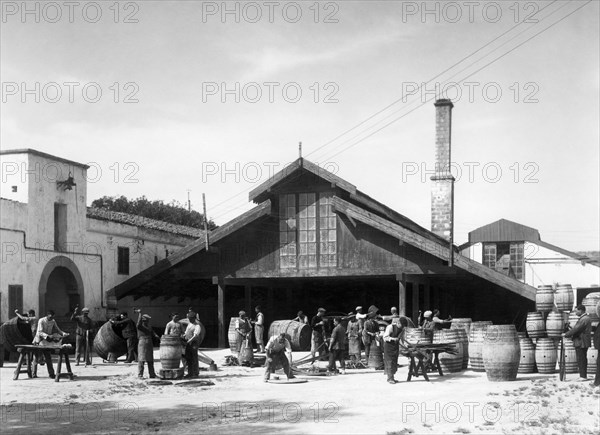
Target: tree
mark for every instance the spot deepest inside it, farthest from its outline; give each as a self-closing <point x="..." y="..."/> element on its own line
<point x="173" y="212"/>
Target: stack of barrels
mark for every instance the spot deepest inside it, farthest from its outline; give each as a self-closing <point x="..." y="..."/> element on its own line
<point x="544" y="330"/>
<point x="590" y="302"/>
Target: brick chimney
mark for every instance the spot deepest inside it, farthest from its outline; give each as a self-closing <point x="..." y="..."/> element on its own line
<point x="442" y="190"/>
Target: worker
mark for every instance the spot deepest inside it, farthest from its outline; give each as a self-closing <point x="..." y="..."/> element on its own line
<point x="145" y="335"/>
<point x="82" y="338"/>
<point x="276" y="346"/>
<point x="44" y="334"/>
<point x="259" y="329"/>
<point x="336" y="346"/>
<point x="301" y="317"/>
<point x="29" y="318"/>
<point x="128" y="329"/>
<point x="192" y="342"/>
<point x="581" y="334"/>
<point x="317" y="325"/>
<point x="391" y="340"/>
<point x="370" y="329"/>
<point x="395" y="316"/>
<point x="174" y="327"/>
<point x="432" y="322"/>
<point x="353" y="334"/>
<point x="244" y="329"/>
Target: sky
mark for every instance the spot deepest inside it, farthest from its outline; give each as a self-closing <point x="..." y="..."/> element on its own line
<point x="171" y="98"/>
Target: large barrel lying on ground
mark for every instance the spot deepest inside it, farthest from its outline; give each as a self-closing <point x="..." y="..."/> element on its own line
<point x="501" y="353"/>
<point x="476" y="336"/>
<point x="544" y="298"/>
<point x="450" y="362"/>
<point x="564" y="297"/>
<point x="536" y="327"/>
<point x="170" y="352"/>
<point x="108" y="341"/>
<point x="15" y="332"/>
<point x="545" y="355"/>
<point x="555" y="324"/>
<point x="298" y="334"/>
<point x="570" y="356"/>
<point x="527" y="362"/>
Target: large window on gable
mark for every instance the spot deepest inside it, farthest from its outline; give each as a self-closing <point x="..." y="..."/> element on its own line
<point x="307" y="231"/>
<point x="505" y="257"/>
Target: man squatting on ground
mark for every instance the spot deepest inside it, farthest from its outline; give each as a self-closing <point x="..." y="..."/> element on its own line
<point x="276" y="346"/>
<point x="582" y="339"/>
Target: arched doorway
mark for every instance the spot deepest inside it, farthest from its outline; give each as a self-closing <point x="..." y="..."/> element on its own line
<point x="61" y="287"/>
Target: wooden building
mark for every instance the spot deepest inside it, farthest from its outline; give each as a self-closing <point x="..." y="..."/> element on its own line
<point x="314" y="240"/>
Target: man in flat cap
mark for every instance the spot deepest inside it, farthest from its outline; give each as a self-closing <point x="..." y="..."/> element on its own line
<point x="82" y="337"/>
<point x="370" y="329"/>
<point x="244" y="329"/>
<point x="276" y="346"/>
<point x="128" y="330"/>
<point x="145" y="347"/>
<point x="317" y="325"/>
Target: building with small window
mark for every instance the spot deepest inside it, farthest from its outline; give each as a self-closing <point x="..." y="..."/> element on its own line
<point x="518" y="251"/>
<point x="57" y="253"/>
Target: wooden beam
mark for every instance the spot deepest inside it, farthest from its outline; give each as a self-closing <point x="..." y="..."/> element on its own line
<point x="221" y="313"/>
<point x="401" y="295"/>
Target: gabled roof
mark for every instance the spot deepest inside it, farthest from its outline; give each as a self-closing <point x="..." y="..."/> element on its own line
<point x="42" y="154"/>
<point x="504" y="230"/>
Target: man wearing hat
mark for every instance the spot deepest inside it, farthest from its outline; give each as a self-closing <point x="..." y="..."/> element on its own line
<point x="128" y="330"/>
<point x="337" y="345"/>
<point x="370" y="329"/>
<point x="317" y="325"/>
<point x="192" y="342"/>
<point x="145" y="347"/>
<point x="244" y="329"/>
<point x="276" y="346"/>
<point x="82" y="337"/>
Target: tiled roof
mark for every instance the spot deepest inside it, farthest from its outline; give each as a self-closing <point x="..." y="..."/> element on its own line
<point x="144" y="222"/>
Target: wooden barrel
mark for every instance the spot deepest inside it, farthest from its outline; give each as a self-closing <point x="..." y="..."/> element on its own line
<point x="464" y="323"/>
<point x="375" y="357"/>
<point x="592" y="357"/>
<point x="590" y="302"/>
<point x="570" y="357"/>
<point x="573" y="318"/>
<point x="464" y="339"/>
<point x="554" y="324"/>
<point x="564" y="297"/>
<point x="536" y="327"/>
<point x="170" y="352"/>
<point x="544" y="298"/>
<point x="108" y="341"/>
<point x="476" y="336"/>
<point x="298" y="334"/>
<point x="501" y="353"/>
<point x="545" y="355"/>
<point x="15" y="332"/>
<point x="232" y="335"/>
<point x="417" y="336"/>
<point x="527" y="362"/>
<point x="450" y="362"/>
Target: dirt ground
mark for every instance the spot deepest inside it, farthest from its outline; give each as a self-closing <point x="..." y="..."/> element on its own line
<point x="109" y="398"/>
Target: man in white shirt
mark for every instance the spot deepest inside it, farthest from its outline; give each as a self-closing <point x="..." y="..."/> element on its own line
<point x="44" y="334"/>
<point x="192" y="337"/>
<point x="276" y="348"/>
<point x="259" y="330"/>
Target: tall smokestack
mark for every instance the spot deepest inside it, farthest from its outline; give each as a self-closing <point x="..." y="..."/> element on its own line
<point x="442" y="191"/>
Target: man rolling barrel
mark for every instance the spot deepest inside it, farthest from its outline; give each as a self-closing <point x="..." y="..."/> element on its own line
<point x="82" y="338"/>
<point x="276" y="348"/>
<point x="128" y="330"/>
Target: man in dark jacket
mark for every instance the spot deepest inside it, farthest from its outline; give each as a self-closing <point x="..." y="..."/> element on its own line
<point x="129" y="332"/>
<point x="145" y="347"/>
<point x="336" y="346"/>
<point x="391" y="348"/>
<point x="582" y="339"/>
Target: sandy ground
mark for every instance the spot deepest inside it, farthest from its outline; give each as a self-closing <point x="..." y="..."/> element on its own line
<point x="108" y="398"/>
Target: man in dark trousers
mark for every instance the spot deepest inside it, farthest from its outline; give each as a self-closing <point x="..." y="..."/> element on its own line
<point x="370" y="329"/>
<point x="317" y="325"/>
<point x="145" y="347"/>
<point x="129" y="332"/>
<point x="84" y="326"/>
<point x="276" y="349"/>
<point x="192" y="342"/>
<point x="391" y="348"/>
<point x="336" y="346"/>
<point x="582" y="339"/>
<point x="596" y="382"/>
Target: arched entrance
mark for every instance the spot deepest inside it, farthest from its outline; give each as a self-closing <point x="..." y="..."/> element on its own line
<point x="61" y="287"/>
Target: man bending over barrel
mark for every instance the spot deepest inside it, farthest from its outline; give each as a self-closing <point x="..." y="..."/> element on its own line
<point x="128" y="330"/>
<point x="275" y="349"/>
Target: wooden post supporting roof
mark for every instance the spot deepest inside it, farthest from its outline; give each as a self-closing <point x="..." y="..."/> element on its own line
<point x="401" y="294"/>
<point x="415" y="301"/>
<point x="222" y="342"/>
